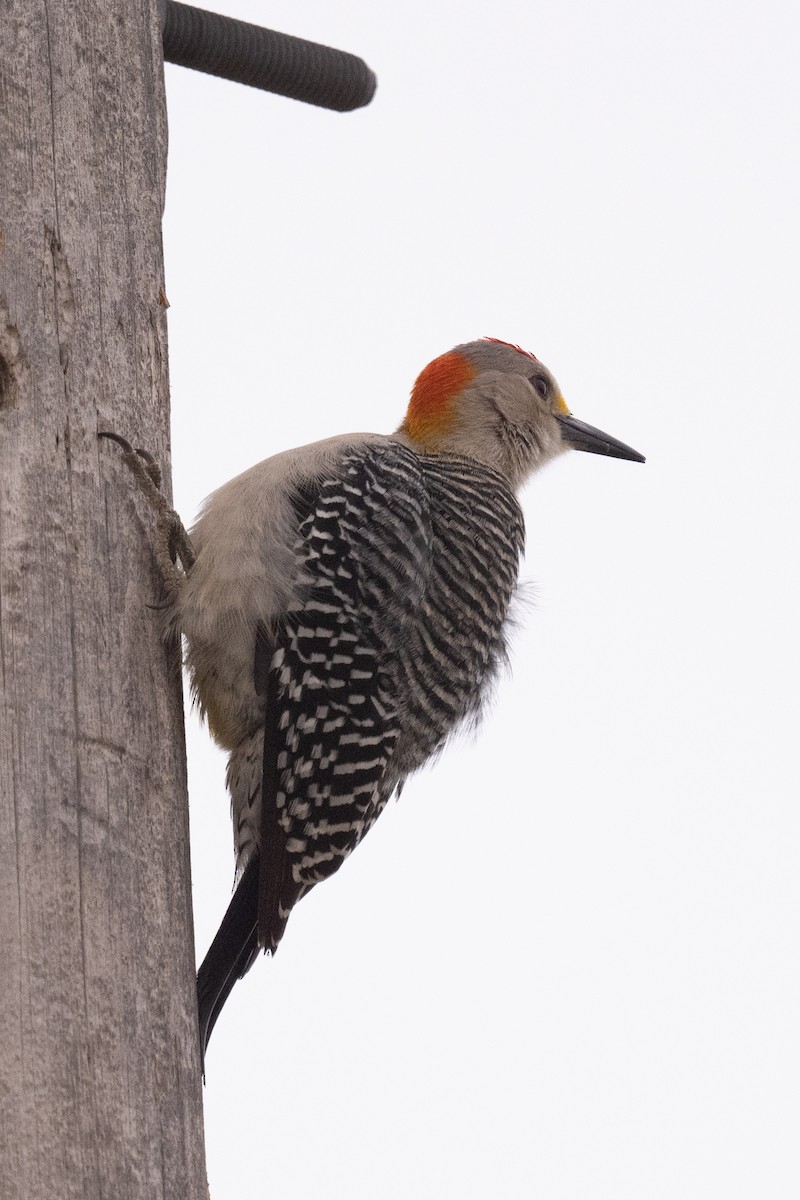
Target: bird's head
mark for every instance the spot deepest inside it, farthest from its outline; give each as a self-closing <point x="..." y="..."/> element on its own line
<point x="497" y="403"/>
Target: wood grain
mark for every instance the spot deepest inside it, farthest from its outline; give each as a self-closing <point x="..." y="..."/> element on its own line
<point x="100" y="1092"/>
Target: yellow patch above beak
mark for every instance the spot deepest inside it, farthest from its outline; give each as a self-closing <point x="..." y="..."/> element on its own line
<point x="561" y="406"/>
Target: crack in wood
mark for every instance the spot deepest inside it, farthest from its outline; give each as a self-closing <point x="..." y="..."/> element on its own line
<point x="14" y="372"/>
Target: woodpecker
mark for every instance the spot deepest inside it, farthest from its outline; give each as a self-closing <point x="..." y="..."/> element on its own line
<point x="343" y="608"/>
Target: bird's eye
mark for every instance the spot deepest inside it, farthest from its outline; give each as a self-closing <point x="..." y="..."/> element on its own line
<point x="542" y="385"/>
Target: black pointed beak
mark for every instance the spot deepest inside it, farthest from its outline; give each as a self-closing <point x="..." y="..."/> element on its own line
<point x="580" y="436"/>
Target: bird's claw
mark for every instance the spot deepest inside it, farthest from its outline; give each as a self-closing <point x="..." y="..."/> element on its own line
<point x="118" y="438"/>
<point x="172" y="540"/>
<point x="150" y="465"/>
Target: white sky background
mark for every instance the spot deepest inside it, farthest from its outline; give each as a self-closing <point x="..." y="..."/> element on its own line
<point x="565" y="964"/>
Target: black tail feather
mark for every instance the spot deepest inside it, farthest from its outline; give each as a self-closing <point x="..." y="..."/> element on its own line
<point x="231" y="954"/>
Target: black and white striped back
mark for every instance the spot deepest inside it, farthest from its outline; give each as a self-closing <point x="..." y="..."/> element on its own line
<point x="409" y="565"/>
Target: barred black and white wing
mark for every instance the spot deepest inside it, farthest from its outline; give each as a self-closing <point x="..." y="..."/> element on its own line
<point x="314" y="779"/>
<point x="365" y="552"/>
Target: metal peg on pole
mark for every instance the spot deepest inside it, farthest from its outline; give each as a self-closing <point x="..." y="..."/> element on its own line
<point x="262" y="58"/>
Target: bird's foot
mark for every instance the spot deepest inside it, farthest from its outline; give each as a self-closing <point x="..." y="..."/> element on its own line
<point x="172" y="543"/>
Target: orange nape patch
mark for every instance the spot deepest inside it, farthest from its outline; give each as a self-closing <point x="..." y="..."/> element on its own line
<point x="430" y="409"/>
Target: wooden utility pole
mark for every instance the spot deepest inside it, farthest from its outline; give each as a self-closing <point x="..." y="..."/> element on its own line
<point x="100" y="1092"/>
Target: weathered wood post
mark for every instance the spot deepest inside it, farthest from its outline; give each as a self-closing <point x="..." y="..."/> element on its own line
<point x="100" y="1092"/>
